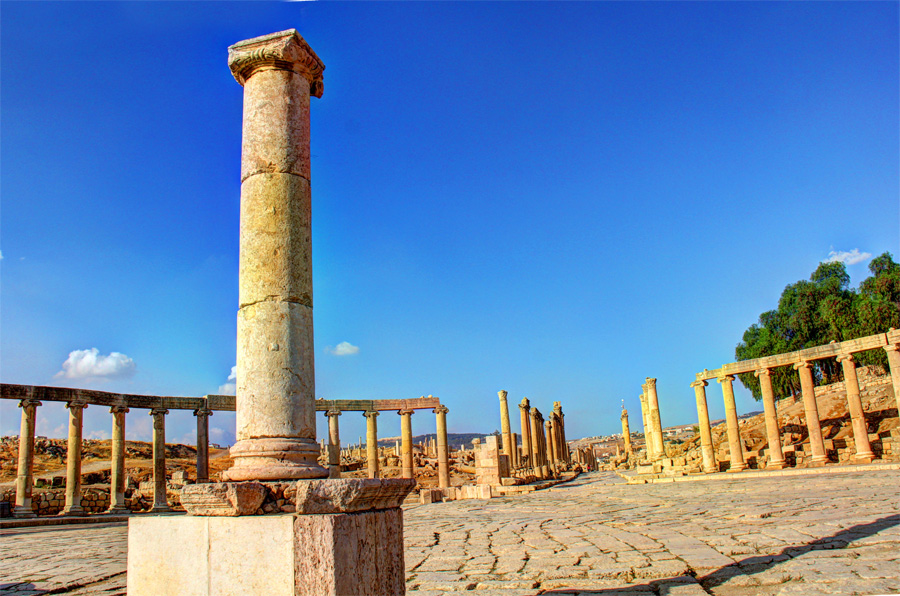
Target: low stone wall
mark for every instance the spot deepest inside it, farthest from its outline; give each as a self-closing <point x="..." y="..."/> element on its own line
<point x="93" y="500"/>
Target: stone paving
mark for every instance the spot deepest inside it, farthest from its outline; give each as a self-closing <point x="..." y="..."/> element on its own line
<point x="815" y="534"/>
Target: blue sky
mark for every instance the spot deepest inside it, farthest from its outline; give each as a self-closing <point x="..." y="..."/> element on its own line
<point x="556" y="199"/>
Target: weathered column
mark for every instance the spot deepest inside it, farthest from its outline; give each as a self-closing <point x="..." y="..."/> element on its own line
<point x="203" y="415"/>
<point x="276" y="426"/>
<point x="561" y="434"/>
<point x="655" y="419"/>
<point x="893" y="356"/>
<point x="813" y="424"/>
<point x="516" y="459"/>
<point x="773" y="433"/>
<point x="25" y="471"/>
<point x="537" y="435"/>
<point x="854" y="404"/>
<point x="645" y="421"/>
<point x="160" y="503"/>
<point x="706" y="446"/>
<point x="73" y="460"/>
<point x="548" y="441"/>
<point x="372" y="444"/>
<point x="527" y="447"/>
<point x="334" y="444"/>
<point x="504" y="427"/>
<point x="117" y="467"/>
<point x="406" y="455"/>
<point x="443" y="451"/>
<point x="626" y="431"/>
<point x="553" y="449"/>
<point x="735" y="447"/>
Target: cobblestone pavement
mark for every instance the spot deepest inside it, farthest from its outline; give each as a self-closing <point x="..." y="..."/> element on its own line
<point x="817" y="534"/>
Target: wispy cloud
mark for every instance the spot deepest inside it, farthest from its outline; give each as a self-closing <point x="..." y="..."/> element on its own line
<point x="100" y="435"/>
<point x="91" y="364"/>
<point x="230" y="387"/>
<point x="345" y="348"/>
<point x="851" y="257"/>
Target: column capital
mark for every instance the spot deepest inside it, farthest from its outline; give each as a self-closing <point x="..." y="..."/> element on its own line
<point x="651" y="382"/>
<point x="548" y="424"/>
<point x="285" y="50"/>
<point x="119" y="409"/>
<point x="407" y="412"/>
<point x="371" y="414"/>
<point x="203" y="412"/>
<point x="74" y="405"/>
<point x="845" y="357"/>
<point x="725" y="379"/>
<point x="331" y="413"/>
<point x="502" y="394"/>
<point x="525" y="408"/>
<point x="524" y="403"/>
<point x="441" y="409"/>
<point x="763" y="372"/>
<point x="802" y="364"/>
<point x="28" y="403"/>
<point x="699" y="383"/>
<point x="535" y="413"/>
<point x="158" y="411"/>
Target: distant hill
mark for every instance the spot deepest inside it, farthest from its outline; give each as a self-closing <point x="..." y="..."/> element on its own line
<point x="455" y="439"/>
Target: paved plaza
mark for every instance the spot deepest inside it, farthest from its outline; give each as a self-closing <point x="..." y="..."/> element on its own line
<point x="813" y="534"/>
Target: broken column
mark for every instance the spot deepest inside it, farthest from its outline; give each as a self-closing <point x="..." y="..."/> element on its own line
<point x="504" y="426"/>
<point x="773" y="434"/>
<point x="626" y="431"/>
<point x="117" y="465"/>
<point x="706" y="445"/>
<point x="735" y="446"/>
<point x="25" y="470"/>
<point x="73" y="460"/>
<point x="811" y="410"/>
<point x="340" y="536"/>
<point x="854" y="404"/>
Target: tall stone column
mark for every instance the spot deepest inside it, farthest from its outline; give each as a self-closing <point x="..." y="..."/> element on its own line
<point x="203" y="415"/>
<point x="527" y="447"/>
<point x="735" y="447"/>
<point x="117" y="468"/>
<point x="537" y="435"/>
<point x="854" y="404"/>
<point x="372" y="444"/>
<point x="25" y="471"/>
<point x="645" y="421"/>
<point x="504" y="426"/>
<point x="160" y="502"/>
<point x="893" y="356"/>
<point x="443" y="450"/>
<point x="773" y="433"/>
<point x="561" y="432"/>
<point x="73" y="460"/>
<point x="706" y="446"/>
<point x="406" y="455"/>
<point x="655" y="420"/>
<point x="813" y="424"/>
<point x="276" y="426"/>
<point x="553" y="449"/>
<point x="626" y="431"/>
<point x="334" y="444"/>
<point x="548" y="441"/>
<point x="516" y="460"/>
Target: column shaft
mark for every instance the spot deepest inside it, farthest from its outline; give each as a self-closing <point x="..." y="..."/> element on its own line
<point x="406" y="455"/>
<point x="811" y="409"/>
<point x="25" y="470"/>
<point x="655" y="420"/>
<point x="537" y="435"/>
<point x="706" y="445"/>
<point x="372" y="444"/>
<point x="117" y="464"/>
<point x="73" y="460"/>
<point x="334" y="445"/>
<point x="854" y="405"/>
<point x="645" y="421"/>
<point x="443" y="450"/>
<point x="773" y="433"/>
<point x="160" y="503"/>
<point x="202" y="415"/>
<point x="527" y="448"/>
<point x="893" y="356"/>
<point x="735" y="447"/>
<point x="504" y="427"/>
<point x="548" y="440"/>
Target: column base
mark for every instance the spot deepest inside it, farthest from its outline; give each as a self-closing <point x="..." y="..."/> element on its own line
<point x="22" y="512"/>
<point x="820" y="459"/>
<point x="274" y="459"/>
<point x="737" y="468"/>
<point x="864" y="458"/>
<point x="72" y="511"/>
<point x="776" y="465"/>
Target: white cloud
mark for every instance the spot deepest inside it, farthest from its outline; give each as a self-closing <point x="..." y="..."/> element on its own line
<point x="345" y="348"/>
<point x="230" y="387"/>
<point x="1" y="255"/>
<point x="849" y="257"/>
<point x="88" y="364"/>
<point x="100" y="435"/>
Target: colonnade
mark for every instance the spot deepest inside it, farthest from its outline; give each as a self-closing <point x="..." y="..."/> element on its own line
<point x="544" y="450"/>
<point x="802" y="362"/>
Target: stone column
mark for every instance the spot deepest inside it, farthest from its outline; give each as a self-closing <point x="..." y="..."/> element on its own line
<point x="25" y="472"/>
<point x="537" y="434"/>
<point x="813" y="425"/>
<point x="893" y="356"/>
<point x="561" y="432"/>
<point x="443" y="451"/>
<point x="655" y="419"/>
<point x="73" y="460"/>
<point x="334" y="444"/>
<point x="553" y="449"/>
<point x="527" y="448"/>
<point x="504" y="426"/>
<point x="276" y="426"/>
<point x="626" y="431"/>
<point x="516" y="462"/>
<point x="773" y="433"/>
<point x="706" y="446"/>
<point x="854" y="404"/>
<point x="735" y="447"/>
<point x="160" y="503"/>
<point x="548" y="441"/>
<point x="372" y="444"/>
<point x="406" y="456"/>
<point x="203" y="415"/>
<point x="645" y="421"/>
<point x="117" y="471"/>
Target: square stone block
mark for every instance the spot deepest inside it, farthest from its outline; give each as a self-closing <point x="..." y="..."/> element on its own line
<point x="277" y="555"/>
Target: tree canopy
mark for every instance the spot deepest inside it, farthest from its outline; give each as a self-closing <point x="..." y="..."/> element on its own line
<point x="821" y="310"/>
